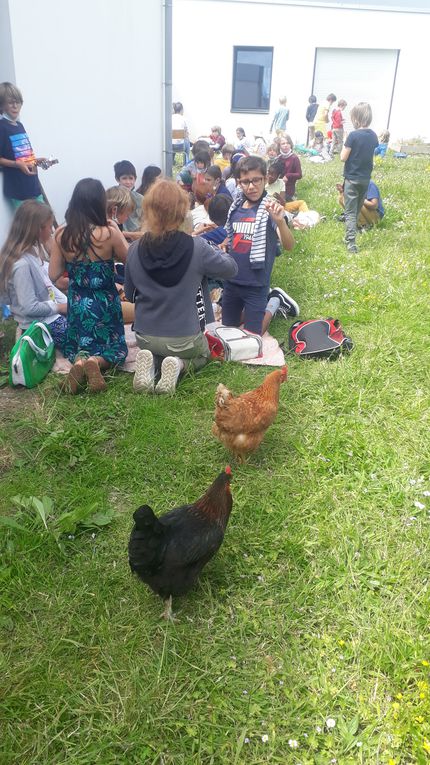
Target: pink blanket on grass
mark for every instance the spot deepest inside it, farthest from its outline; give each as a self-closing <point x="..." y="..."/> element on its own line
<point x="273" y="355"/>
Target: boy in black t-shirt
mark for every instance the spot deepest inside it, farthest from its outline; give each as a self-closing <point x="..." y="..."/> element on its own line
<point x="17" y="157"/>
<point x="357" y="154"/>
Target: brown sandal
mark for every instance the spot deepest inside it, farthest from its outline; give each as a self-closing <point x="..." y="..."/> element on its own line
<point x="95" y="379"/>
<point x="76" y="378"/>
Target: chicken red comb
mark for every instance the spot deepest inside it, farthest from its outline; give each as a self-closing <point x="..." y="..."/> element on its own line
<point x="228" y="470"/>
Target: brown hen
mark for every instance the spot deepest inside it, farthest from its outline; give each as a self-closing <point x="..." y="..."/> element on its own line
<point x="241" y="421"/>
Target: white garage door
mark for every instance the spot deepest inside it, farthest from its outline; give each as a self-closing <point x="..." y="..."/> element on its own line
<point x="357" y="74"/>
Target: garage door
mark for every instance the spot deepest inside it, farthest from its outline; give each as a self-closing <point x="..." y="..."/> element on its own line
<point x="357" y="74"/>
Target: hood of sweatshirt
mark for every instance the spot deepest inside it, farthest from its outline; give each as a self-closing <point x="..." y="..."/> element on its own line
<point x="166" y="260"/>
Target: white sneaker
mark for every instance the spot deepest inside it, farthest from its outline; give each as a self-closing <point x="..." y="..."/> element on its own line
<point x="171" y="368"/>
<point x="145" y="372"/>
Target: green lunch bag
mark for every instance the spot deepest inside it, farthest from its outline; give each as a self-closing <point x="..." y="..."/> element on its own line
<point x="32" y="356"/>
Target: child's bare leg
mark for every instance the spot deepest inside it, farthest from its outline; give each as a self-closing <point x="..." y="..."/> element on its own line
<point x="368" y="217"/>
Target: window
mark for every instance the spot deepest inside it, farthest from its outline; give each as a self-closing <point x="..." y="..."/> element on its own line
<point x="252" y="78"/>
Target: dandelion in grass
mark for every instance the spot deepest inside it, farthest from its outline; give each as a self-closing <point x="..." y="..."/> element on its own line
<point x="246" y="740"/>
<point x="292" y="743"/>
<point x="318" y="729"/>
<point x="330" y="723"/>
<point x="265" y="738"/>
<point x="419" y="505"/>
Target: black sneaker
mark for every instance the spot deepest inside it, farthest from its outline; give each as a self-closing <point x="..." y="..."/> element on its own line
<point x="352" y="247"/>
<point x="288" y="306"/>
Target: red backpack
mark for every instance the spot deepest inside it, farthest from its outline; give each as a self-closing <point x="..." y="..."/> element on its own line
<point x="318" y="339"/>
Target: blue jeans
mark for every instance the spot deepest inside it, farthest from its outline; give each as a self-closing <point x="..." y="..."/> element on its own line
<point x="354" y="194"/>
<point x="241" y="297"/>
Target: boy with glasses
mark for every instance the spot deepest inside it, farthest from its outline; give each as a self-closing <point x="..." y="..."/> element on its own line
<point x="17" y="157"/>
<point x="253" y="226"/>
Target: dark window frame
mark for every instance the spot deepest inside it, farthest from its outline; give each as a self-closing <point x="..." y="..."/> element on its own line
<point x="257" y="48"/>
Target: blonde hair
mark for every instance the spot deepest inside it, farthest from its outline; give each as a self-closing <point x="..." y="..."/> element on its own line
<point x="165" y="206"/>
<point x="342" y="103"/>
<point x="217" y="128"/>
<point x="119" y="197"/>
<point x="23" y="235"/>
<point x="361" y="115"/>
<point x="9" y="92"/>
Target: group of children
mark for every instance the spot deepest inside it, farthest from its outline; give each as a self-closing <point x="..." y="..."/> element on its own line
<point x="232" y="234"/>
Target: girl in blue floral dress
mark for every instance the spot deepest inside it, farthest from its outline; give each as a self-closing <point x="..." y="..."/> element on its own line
<point x="86" y="248"/>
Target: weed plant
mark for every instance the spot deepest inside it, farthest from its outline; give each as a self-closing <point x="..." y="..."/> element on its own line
<point x="307" y="639"/>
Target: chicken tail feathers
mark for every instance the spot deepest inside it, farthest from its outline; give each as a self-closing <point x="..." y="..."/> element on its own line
<point x="147" y="542"/>
<point x="145" y="520"/>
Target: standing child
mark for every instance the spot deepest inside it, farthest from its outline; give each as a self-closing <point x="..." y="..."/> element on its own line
<point x="357" y="154"/>
<point x="310" y="116"/>
<point x="125" y="175"/>
<point x="322" y="116"/>
<point x="291" y="166"/>
<point x="337" y="122"/>
<point x="253" y="226"/>
<point x="24" y="276"/>
<point x="87" y="247"/>
<point x="17" y="158"/>
<point x="279" y="121"/>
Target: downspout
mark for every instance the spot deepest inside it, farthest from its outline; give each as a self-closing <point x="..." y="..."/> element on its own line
<point x="168" y="154"/>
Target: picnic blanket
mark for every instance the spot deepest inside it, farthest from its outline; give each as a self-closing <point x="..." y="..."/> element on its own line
<point x="273" y="355"/>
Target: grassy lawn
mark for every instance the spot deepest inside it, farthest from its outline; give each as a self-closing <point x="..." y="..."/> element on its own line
<point x="316" y="607"/>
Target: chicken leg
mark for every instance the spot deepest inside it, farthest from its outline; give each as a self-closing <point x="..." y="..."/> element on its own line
<point x="167" y="613"/>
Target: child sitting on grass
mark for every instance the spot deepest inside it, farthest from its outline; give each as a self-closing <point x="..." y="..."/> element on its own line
<point x="87" y="246"/>
<point x="24" y="281"/>
<point x="372" y="210"/>
<point x="382" y="146"/>
<point x="194" y="171"/>
<point x="163" y="274"/>
<point x="227" y="152"/>
<point x="149" y="176"/>
<point x="125" y="175"/>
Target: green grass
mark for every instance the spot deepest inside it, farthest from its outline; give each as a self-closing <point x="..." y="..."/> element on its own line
<point x="317" y="605"/>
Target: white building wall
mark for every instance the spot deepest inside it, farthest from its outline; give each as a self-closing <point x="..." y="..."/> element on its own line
<point x="91" y="74"/>
<point x="203" y="61"/>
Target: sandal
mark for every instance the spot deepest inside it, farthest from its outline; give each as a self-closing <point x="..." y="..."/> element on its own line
<point x="96" y="382"/>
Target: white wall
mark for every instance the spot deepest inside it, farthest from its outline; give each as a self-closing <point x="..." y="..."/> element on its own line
<point x="202" y="73"/>
<point x="91" y="74"/>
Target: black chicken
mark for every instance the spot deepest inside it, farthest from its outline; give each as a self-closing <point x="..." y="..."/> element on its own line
<point x="169" y="552"/>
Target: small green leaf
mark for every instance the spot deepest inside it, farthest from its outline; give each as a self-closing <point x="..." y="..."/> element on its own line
<point x="12" y="524"/>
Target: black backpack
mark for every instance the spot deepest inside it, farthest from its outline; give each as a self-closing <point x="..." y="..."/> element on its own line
<point x="318" y="339"/>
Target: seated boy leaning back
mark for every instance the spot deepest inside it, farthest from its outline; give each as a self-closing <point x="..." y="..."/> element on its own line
<point x="253" y="226"/>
